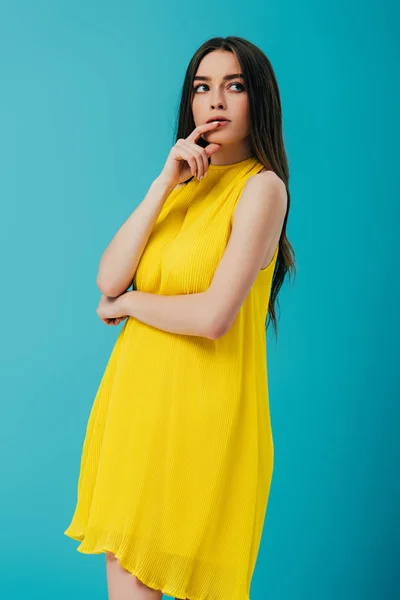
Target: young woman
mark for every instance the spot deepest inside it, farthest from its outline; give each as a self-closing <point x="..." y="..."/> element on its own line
<point x="177" y="460"/>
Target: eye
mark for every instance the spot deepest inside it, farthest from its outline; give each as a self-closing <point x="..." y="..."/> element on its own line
<point x="198" y="86"/>
<point x="238" y="83"/>
<point x="233" y="83"/>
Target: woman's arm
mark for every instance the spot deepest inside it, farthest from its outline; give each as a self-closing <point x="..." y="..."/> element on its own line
<point x="257" y="226"/>
<point x="121" y="257"/>
<point x="189" y="314"/>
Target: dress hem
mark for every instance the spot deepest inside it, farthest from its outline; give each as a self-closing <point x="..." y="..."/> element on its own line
<point x="140" y="574"/>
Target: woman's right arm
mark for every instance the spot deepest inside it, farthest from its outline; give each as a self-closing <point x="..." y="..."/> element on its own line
<point x="121" y="257"/>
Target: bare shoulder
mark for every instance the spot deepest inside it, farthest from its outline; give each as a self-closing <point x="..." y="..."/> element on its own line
<point x="267" y="175"/>
<point x="270" y="184"/>
<point x="263" y="196"/>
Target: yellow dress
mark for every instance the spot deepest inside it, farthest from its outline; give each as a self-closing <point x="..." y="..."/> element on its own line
<point x="177" y="459"/>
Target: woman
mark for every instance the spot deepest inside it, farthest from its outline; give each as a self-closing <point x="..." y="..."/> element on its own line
<point x="178" y="455"/>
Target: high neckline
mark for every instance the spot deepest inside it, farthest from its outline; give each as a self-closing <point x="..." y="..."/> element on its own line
<point x="240" y="163"/>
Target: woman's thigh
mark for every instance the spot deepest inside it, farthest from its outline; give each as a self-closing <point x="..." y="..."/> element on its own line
<point x="122" y="585"/>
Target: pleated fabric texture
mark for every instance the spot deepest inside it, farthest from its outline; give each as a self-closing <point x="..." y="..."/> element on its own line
<point x="177" y="459"/>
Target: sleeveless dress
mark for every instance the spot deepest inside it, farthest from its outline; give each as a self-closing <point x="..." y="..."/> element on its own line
<point x="177" y="459"/>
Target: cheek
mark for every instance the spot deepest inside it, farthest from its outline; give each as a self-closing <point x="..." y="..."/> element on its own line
<point x="242" y="113"/>
<point x="243" y="108"/>
<point x="197" y="106"/>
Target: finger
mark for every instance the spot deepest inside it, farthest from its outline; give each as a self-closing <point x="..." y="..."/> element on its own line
<point x="195" y="150"/>
<point x="204" y="158"/>
<point x="183" y="154"/>
<point x="211" y="148"/>
<point x="196" y="133"/>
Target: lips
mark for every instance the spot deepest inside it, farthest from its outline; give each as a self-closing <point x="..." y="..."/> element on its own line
<point x="217" y="118"/>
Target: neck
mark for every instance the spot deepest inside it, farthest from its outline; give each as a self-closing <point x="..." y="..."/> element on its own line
<point x="227" y="155"/>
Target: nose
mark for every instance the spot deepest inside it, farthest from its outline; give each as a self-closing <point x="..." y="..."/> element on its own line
<point x="219" y="104"/>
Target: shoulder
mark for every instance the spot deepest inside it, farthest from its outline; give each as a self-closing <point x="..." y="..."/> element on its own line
<point x="269" y="181"/>
<point x="263" y="192"/>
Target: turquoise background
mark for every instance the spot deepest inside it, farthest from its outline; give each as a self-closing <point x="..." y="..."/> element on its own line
<point x="89" y="95"/>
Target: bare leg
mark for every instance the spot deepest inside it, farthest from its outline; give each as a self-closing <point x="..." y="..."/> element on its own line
<point x="122" y="585"/>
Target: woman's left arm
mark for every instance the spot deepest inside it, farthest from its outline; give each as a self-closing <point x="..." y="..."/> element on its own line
<point x="258" y="221"/>
<point x="189" y="314"/>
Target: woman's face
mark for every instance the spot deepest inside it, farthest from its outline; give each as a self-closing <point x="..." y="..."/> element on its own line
<point x="216" y="96"/>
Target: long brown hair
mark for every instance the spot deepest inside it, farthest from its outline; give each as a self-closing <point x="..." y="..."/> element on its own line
<point x="265" y="132"/>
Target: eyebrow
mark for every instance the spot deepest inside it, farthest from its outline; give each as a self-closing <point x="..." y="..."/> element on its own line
<point x="226" y="78"/>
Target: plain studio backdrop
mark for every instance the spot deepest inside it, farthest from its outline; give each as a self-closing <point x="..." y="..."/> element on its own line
<point x="89" y="96"/>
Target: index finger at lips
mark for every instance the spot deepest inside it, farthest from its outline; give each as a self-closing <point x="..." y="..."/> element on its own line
<point x="196" y="133"/>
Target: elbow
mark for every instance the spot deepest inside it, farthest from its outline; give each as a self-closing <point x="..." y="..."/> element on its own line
<point x="108" y="289"/>
<point x="218" y="322"/>
<point x="217" y="328"/>
<point x="103" y="287"/>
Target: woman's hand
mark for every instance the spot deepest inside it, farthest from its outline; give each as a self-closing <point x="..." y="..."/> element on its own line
<point x="110" y="310"/>
<point x="186" y="158"/>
